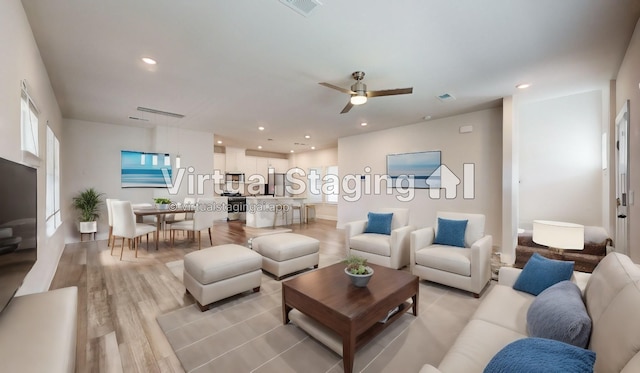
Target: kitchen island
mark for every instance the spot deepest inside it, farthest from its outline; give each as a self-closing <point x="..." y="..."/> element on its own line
<point x="261" y="210"/>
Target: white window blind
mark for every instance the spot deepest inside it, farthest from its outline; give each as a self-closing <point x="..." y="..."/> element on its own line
<point x="53" y="218"/>
<point x="314" y="194"/>
<point x="28" y="122"/>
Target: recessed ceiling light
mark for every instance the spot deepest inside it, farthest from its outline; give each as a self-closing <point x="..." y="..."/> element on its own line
<point x="149" y="61"/>
<point x="219" y="141"/>
<point x="523" y="85"/>
<point x="313" y="148"/>
<point x="260" y="128"/>
<point x="427" y="117"/>
<point x="363" y="124"/>
<point x="259" y="146"/>
<point x="307" y="136"/>
<point x="291" y="151"/>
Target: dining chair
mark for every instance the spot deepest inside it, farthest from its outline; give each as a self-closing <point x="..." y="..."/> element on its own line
<point x="169" y="219"/>
<point x="108" y="202"/>
<point x="125" y="226"/>
<point x="203" y="216"/>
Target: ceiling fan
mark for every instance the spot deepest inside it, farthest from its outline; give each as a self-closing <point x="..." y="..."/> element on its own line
<point x="359" y="93"/>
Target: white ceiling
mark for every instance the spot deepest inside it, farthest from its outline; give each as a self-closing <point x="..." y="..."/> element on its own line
<point x="231" y="66"/>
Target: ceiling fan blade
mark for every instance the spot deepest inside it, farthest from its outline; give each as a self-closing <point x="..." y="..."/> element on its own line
<point x="343" y="90"/>
<point x="347" y="108"/>
<point x="390" y="92"/>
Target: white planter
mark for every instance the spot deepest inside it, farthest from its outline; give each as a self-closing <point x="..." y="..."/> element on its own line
<point x="88" y="226"/>
<point x="162" y="206"/>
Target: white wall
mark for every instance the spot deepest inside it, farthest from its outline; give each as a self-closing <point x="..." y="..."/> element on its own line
<point x="21" y="60"/>
<point x="627" y="89"/>
<point x="482" y="147"/>
<point x="91" y="156"/>
<point x="560" y="159"/>
<point x="318" y="158"/>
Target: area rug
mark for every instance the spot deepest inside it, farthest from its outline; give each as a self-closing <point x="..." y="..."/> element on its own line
<point x="245" y="333"/>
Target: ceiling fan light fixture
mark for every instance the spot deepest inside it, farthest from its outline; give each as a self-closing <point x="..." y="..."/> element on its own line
<point x="359" y="98"/>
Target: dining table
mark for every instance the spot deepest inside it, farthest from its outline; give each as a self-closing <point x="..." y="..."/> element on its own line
<point x="160" y="213"/>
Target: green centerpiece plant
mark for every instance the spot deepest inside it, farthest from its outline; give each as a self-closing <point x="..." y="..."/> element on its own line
<point x="162" y="203"/>
<point x="358" y="270"/>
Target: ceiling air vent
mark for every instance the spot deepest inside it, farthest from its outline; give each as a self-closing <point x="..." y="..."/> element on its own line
<point x="445" y="97"/>
<point x="304" y="7"/>
<point x="159" y="112"/>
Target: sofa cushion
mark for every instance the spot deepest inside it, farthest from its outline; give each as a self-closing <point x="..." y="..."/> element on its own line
<point x="615" y="336"/>
<point x="539" y="273"/>
<point x="478" y="342"/>
<point x="558" y="313"/>
<point x="445" y="258"/>
<point x="612" y="274"/>
<point x="379" y="223"/>
<point x="533" y="355"/>
<point x="371" y="243"/>
<point x="451" y="232"/>
<point x="505" y="307"/>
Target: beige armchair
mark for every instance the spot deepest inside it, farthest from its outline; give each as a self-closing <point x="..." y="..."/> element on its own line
<point x="387" y="250"/>
<point x="467" y="268"/>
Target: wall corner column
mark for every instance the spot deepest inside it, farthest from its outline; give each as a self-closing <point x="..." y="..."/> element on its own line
<point x="510" y="179"/>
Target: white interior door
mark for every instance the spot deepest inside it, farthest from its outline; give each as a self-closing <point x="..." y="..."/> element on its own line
<point x="621" y="242"/>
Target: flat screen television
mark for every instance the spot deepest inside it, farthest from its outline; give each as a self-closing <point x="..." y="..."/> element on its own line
<point x="18" y="226"/>
<point x="418" y="169"/>
<point x="145" y="170"/>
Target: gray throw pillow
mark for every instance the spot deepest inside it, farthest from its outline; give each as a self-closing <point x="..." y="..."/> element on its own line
<point x="559" y="313"/>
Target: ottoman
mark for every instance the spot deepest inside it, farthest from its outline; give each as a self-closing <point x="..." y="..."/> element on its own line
<point x="221" y="271"/>
<point x="285" y="253"/>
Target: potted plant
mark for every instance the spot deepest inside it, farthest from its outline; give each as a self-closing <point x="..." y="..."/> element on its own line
<point x="88" y="204"/>
<point x="358" y="270"/>
<point x="162" y="203"/>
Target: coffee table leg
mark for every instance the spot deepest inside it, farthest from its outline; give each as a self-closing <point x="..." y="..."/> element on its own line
<point x="285" y="310"/>
<point x="415" y="304"/>
<point x="348" y="351"/>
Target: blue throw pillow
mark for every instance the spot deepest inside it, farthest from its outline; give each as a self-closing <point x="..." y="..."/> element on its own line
<point x="539" y="273"/>
<point x="451" y="232"/>
<point x="559" y="313"/>
<point x="379" y="223"/>
<point x="540" y="355"/>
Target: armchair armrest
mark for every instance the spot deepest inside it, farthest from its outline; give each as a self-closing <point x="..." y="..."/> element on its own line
<point x="481" y="263"/>
<point x="419" y="239"/>
<point x="422" y="237"/>
<point x="355" y="227"/>
<point x="429" y="369"/>
<point x="399" y="243"/>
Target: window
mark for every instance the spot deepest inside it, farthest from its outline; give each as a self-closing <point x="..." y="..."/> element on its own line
<point x="54" y="219"/>
<point x="323" y="186"/>
<point x="28" y="122"/>
<point x="314" y="176"/>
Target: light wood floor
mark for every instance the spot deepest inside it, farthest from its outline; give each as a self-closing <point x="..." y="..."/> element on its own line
<point x="118" y="301"/>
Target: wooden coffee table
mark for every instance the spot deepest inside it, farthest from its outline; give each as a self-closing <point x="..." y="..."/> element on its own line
<point x="327" y="296"/>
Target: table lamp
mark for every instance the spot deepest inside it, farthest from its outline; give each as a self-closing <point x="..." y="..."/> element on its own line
<point x="558" y="235"/>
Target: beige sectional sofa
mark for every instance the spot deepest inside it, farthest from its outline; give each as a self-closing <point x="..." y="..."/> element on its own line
<point x="612" y="299"/>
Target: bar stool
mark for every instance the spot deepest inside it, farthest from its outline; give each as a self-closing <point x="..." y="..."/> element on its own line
<point x="307" y="207"/>
<point x="281" y="209"/>
<point x="295" y="208"/>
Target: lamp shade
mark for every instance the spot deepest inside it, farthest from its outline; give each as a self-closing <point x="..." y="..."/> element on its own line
<point x="557" y="234"/>
<point x="359" y="98"/>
